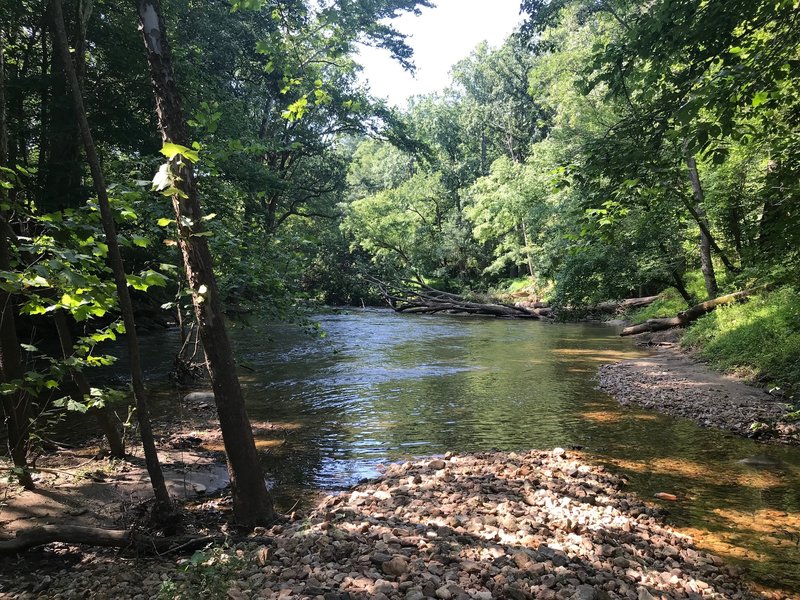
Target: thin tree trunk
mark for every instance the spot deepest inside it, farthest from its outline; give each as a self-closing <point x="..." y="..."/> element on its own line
<point x="706" y="263"/>
<point x="252" y="503"/>
<point x="163" y="505"/>
<point x="527" y="249"/>
<point x="15" y="406"/>
<point x="102" y="415"/>
<point x="681" y="287"/>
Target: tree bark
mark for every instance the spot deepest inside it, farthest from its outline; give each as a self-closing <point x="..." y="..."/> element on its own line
<point x="102" y="415"/>
<point x="706" y="263"/>
<point x="252" y="503"/>
<point x="688" y="316"/>
<point x="163" y="505"/>
<point x="15" y="406"/>
<point x="63" y="173"/>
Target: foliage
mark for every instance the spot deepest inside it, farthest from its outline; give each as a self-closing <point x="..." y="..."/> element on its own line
<point x="208" y="573"/>
<point x="669" y="302"/>
<point x="759" y="339"/>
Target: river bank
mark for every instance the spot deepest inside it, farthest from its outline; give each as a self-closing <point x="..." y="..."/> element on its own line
<point x="487" y="525"/>
<point x="672" y="381"/>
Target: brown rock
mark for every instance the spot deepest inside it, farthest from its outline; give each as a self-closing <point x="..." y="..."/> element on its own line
<point x="396" y="566"/>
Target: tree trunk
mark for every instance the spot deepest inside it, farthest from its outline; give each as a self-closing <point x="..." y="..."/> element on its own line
<point x="102" y="415"/>
<point x="163" y="506"/>
<point x="688" y="316"/>
<point x="527" y="241"/>
<point x="706" y="263"/>
<point x="15" y="406"/>
<point x="63" y="173"/>
<point x="677" y="280"/>
<point x="252" y="503"/>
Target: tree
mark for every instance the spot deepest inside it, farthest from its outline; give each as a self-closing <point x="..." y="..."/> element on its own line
<point x="163" y="504"/>
<point x="252" y="503"/>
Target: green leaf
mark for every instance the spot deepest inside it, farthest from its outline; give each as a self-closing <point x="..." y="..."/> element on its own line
<point x="760" y="98"/>
<point x="164" y="222"/>
<point x="171" y="150"/>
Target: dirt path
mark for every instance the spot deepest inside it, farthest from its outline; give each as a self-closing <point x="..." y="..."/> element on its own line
<point x="672" y="382"/>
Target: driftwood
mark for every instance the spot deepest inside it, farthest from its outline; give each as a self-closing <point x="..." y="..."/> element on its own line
<point x="623" y="305"/>
<point x="415" y="297"/>
<point x="686" y="317"/>
<point x="109" y="538"/>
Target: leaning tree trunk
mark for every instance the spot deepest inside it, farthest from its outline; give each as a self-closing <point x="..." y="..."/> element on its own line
<point x="252" y="503"/>
<point x="15" y="406"/>
<point x="163" y="506"/>
<point x="688" y="316"/>
<point x="706" y="263"/>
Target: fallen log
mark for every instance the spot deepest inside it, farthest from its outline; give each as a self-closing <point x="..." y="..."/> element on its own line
<point x="108" y="538"/>
<point x="415" y="297"/>
<point x="622" y="305"/>
<point x="687" y="316"/>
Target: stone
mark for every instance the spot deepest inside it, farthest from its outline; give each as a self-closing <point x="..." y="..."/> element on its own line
<point x="584" y="592"/>
<point x="396" y="566"/>
<point x="644" y="594"/>
<point x="437" y="464"/>
<point x="444" y="593"/>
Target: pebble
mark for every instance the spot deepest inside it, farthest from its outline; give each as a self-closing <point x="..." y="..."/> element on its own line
<point x="468" y="527"/>
<point x="663" y="387"/>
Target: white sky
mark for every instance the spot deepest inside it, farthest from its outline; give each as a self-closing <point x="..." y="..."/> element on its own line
<point x="440" y="37"/>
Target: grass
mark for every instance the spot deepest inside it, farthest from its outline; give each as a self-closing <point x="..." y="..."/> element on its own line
<point x="759" y="339"/>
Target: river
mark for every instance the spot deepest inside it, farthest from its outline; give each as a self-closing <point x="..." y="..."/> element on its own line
<point x="381" y="387"/>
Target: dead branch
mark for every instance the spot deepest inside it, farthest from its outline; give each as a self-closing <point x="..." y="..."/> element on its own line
<point x="416" y="297"/>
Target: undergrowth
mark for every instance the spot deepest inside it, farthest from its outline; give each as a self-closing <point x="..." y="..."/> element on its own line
<point x="670" y="302"/>
<point x="759" y="339"/>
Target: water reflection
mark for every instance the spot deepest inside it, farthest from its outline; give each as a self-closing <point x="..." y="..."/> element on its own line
<point x="382" y="387"/>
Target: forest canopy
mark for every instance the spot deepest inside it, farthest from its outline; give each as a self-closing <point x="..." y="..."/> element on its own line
<point x="607" y="149"/>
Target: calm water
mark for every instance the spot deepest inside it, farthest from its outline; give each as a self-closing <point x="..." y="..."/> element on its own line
<point x="382" y="387"/>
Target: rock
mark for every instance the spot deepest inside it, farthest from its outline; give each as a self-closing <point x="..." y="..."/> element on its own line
<point x="621" y="562"/>
<point x="444" y="593"/>
<point x="489" y="525"/>
<point x="196" y="397"/>
<point x="380" y="558"/>
<point x="395" y="567"/>
<point x="644" y="594"/>
<point x="584" y="592"/>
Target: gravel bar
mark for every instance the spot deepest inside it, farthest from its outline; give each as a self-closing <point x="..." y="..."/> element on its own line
<point x="470" y="526"/>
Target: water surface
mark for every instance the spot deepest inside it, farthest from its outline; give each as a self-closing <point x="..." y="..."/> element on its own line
<point x="383" y="387"/>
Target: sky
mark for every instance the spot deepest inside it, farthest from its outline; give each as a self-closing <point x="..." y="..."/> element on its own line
<point x="440" y="37"/>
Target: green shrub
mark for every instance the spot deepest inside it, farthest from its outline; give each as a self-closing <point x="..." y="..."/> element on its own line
<point x="759" y="339"/>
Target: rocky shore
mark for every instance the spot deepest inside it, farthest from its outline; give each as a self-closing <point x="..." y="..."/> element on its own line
<point x="671" y="382"/>
<point x="475" y="526"/>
